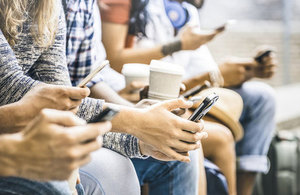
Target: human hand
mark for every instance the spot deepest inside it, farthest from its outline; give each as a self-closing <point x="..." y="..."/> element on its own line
<point x="191" y="40"/>
<point x="267" y="64"/>
<point x="235" y="71"/>
<point x="131" y="92"/>
<point x="165" y="131"/>
<point x="52" y="146"/>
<point x="54" y="97"/>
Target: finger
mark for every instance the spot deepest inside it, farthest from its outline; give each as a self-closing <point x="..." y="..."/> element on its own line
<point x="190" y="125"/>
<point x="179" y="111"/>
<point x="74" y="104"/>
<point x="184" y="146"/>
<point x="90" y="131"/>
<point x="89" y="147"/>
<point x="176" y="103"/>
<point x="182" y="87"/>
<point x="84" y="161"/>
<point x="191" y="137"/>
<point x="174" y="155"/>
<point x="64" y="118"/>
<point x="77" y="93"/>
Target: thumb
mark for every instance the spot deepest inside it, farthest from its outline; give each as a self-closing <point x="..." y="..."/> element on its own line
<point x="176" y="103"/>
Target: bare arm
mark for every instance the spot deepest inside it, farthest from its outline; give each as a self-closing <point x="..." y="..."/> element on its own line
<point x="114" y="36"/>
<point x="196" y="80"/>
<point x="102" y="91"/>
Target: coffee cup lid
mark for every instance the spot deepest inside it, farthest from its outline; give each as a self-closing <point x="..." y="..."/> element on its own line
<point x="136" y="69"/>
<point x="166" y="67"/>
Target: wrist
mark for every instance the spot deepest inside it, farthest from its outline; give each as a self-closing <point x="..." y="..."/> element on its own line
<point x="127" y="121"/>
<point x="170" y="48"/>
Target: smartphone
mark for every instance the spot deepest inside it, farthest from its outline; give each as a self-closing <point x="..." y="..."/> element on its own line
<point x="106" y="115"/>
<point x="93" y="74"/>
<point x="204" y="107"/>
<point x="196" y="90"/>
<point x="260" y="58"/>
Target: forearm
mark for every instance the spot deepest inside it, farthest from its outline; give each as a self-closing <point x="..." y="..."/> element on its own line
<point x="132" y="55"/>
<point x="103" y="91"/>
<point x="196" y="80"/>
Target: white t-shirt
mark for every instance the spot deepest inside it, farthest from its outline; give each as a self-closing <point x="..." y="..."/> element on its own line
<point x="159" y="30"/>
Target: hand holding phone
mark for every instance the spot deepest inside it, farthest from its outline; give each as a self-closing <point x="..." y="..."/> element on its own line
<point x="93" y="74"/>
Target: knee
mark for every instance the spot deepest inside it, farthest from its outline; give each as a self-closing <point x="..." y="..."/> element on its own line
<point x="221" y="136"/>
<point x="110" y="172"/>
<point x="263" y="94"/>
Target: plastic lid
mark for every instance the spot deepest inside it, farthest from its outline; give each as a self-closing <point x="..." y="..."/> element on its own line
<point x="136" y="70"/>
<point x="166" y="67"/>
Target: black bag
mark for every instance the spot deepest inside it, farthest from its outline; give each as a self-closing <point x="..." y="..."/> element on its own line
<point x="283" y="177"/>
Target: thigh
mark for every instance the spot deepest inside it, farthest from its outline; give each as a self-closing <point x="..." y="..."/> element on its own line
<point x="21" y="186"/>
<point x="258" y="118"/>
<point x="109" y="173"/>
<point x="173" y="177"/>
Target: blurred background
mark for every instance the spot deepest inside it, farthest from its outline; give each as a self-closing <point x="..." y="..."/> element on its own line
<point x="271" y="22"/>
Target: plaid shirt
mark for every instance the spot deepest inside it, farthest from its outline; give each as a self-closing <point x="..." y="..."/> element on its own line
<point x="80" y="33"/>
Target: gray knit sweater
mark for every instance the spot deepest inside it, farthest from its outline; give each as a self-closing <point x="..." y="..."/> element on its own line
<point x="26" y="64"/>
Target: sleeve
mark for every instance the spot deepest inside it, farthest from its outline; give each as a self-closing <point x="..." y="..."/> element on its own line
<point x="51" y="66"/>
<point x="13" y="82"/>
<point x="111" y="140"/>
<point x="118" y="11"/>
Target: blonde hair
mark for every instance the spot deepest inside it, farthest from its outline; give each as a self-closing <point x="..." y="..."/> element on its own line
<point x="44" y="15"/>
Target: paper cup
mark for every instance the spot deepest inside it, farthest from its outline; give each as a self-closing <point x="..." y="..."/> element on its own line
<point x="165" y="80"/>
<point x="136" y="72"/>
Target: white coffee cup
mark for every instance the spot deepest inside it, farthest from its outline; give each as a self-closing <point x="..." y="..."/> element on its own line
<point x="165" y="80"/>
<point x="136" y="72"/>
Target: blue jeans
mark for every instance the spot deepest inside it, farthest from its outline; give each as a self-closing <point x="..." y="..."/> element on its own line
<point x="20" y="186"/>
<point x="172" y="178"/>
<point x="258" y="120"/>
<point x="109" y="173"/>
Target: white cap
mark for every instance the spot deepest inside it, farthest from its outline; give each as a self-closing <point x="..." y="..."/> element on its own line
<point x="136" y="70"/>
<point x="166" y="67"/>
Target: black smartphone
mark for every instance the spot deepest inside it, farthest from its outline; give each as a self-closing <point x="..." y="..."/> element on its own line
<point x="204" y="107"/>
<point x="260" y="58"/>
<point x="106" y="115"/>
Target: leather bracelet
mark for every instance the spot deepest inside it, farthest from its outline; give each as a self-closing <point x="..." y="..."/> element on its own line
<point x="170" y="48"/>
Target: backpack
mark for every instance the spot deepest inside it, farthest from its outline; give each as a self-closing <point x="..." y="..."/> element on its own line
<point x="283" y="177"/>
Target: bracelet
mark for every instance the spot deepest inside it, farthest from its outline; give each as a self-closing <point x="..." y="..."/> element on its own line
<point x="170" y="48"/>
<point x="216" y="78"/>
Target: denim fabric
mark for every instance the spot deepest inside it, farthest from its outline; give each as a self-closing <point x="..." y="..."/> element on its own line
<point x="20" y="186"/>
<point x="109" y="173"/>
<point x="80" y="189"/>
<point x="171" y="178"/>
<point x="258" y="120"/>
